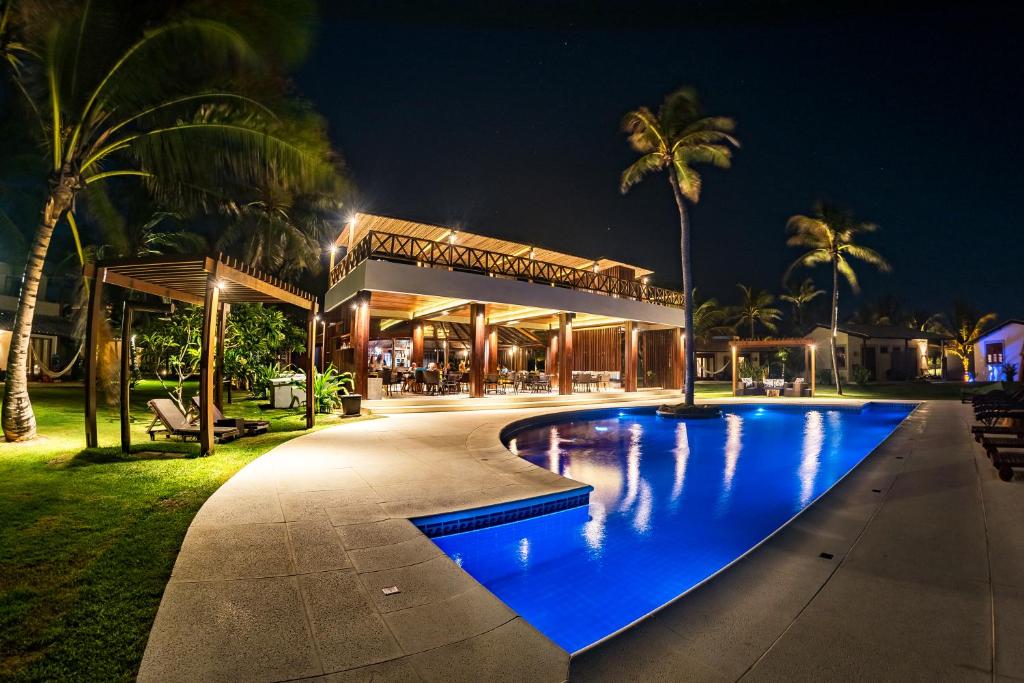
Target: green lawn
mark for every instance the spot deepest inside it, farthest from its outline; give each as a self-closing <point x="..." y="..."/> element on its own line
<point x="88" y="538"/>
<point x="878" y="391"/>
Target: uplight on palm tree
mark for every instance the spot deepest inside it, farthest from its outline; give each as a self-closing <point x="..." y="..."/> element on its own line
<point x="828" y="236"/>
<point x="154" y="105"/>
<point x="756" y="309"/>
<point x="674" y="141"/>
<point x="964" y="327"/>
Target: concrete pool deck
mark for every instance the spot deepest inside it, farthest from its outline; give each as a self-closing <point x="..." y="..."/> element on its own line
<point x="280" y="575"/>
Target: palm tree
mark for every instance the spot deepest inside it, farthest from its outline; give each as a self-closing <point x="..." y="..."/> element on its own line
<point x="679" y="137"/>
<point x="965" y="327"/>
<point x="829" y="236"/>
<point x="756" y="307"/>
<point x="280" y="232"/>
<point x="150" y="104"/>
<point x="709" y="320"/>
<point x="800" y="297"/>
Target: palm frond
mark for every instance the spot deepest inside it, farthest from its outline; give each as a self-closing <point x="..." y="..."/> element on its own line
<point x="844" y="268"/>
<point x="636" y="172"/>
<point x="687" y="178"/>
<point x="643" y="130"/>
<point x="868" y="255"/>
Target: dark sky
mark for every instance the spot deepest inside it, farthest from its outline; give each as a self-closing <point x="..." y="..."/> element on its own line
<point x="509" y="125"/>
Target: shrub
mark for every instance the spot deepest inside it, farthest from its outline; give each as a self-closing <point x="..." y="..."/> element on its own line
<point x="328" y="388"/>
<point x="861" y="375"/>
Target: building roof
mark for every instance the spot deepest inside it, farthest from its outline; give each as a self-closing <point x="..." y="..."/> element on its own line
<point x="41" y="324"/>
<point x="1011" y="321"/>
<point x="885" y="331"/>
<point x="365" y="222"/>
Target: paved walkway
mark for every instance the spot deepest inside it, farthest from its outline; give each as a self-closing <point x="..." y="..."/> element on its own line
<point x="280" y="575"/>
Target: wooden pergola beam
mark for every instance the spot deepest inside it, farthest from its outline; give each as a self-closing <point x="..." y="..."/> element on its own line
<point x="271" y="287"/>
<point x="119" y="280"/>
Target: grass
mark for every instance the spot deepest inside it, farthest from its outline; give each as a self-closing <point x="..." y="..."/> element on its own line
<point x="932" y="391"/>
<point x="88" y="537"/>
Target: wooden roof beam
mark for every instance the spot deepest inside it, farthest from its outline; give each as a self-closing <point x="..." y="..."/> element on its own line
<point x="118" y="280"/>
<point x="276" y="289"/>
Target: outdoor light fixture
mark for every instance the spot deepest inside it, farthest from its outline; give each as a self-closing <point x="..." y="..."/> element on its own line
<point x="533" y="253"/>
<point x="333" y="249"/>
<point x="451" y="237"/>
<point x="220" y="285"/>
<point x="355" y="306"/>
<point x="317" y="317"/>
<point x="512" y="322"/>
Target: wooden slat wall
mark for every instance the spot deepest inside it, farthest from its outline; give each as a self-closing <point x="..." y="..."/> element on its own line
<point x="656" y="358"/>
<point x="597" y="350"/>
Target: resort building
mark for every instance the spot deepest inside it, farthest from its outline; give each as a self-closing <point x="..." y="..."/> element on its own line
<point x="405" y="294"/>
<point x="52" y="342"/>
<point x="998" y="348"/>
<point x="889" y="352"/>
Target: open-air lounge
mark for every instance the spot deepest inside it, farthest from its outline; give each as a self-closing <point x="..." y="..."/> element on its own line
<point x="425" y="310"/>
<point x="778" y="386"/>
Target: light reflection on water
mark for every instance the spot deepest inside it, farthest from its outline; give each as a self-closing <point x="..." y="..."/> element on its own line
<point x="673" y="502"/>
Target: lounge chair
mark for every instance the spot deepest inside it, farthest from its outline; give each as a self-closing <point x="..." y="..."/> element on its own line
<point x="981" y="431"/>
<point x="1006" y="455"/>
<point x="250" y="427"/>
<point x="174" y="423"/>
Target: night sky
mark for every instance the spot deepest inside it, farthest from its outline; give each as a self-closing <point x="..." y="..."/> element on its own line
<point x="509" y="126"/>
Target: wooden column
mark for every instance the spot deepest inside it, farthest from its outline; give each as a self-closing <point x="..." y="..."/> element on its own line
<point x="492" y="348"/>
<point x="360" y="339"/>
<point x="126" y="372"/>
<point x="630" y="357"/>
<point x="92" y="333"/>
<point x="310" y="369"/>
<point x="565" y="353"/>
<point x="551" y="358"/>
<point x="733" y="351"/>
<point x="207" y="362"/>
<point x="814" y="378"/>
<point x="678" y="358"/>
<point x="222" y="326"/>
<point x="477" y="338"/>
<point x="417" y="343"/>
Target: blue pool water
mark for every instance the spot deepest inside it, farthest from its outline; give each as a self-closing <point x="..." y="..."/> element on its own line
<point x="673" y="502"/>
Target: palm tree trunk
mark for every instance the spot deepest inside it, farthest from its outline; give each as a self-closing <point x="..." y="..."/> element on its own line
<point x="18" y="419"/>
<point x="751" y="327"/>
<point x="835" y="325"/>
<point x="684" y="254"/>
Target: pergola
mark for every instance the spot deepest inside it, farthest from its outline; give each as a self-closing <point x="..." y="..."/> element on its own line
<point x="808" y="344"/>
<point x="213" y="282"/>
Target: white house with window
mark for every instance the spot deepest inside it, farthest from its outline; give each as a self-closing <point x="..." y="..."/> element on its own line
<point x="1000" y="347"/>
<point x="888" y="352"/>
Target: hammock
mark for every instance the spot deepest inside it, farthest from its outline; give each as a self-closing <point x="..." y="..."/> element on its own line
<point x="47" y="371"/>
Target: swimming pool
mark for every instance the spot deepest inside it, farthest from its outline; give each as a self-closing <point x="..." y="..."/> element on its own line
<point x="674" y="502"/>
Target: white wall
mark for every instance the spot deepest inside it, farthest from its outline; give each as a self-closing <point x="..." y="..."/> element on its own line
<point x="1012" y="337"/>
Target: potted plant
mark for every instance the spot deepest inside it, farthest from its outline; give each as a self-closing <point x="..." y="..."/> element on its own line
<point x="331" y="390"/>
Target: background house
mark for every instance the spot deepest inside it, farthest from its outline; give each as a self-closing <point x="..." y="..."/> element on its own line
<point x="52" y="329"/>
<point x="889" y="352"/>
<point x="1002" y="345"/>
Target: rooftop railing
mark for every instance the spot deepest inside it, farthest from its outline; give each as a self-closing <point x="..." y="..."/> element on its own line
<point x="434" y="254"/>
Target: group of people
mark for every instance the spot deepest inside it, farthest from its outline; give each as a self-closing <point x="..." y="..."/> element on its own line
<point x="409" y="382"/>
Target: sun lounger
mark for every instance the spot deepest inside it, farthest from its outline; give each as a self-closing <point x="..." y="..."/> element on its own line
<point x="251" y="427"/>
<point x="1006" y="455"/>
<point x="174" y="423"/>
<point x="980" y="431"/>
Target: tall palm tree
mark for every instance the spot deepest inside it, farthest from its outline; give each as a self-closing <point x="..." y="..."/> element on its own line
<point x="828" y="236"/>
<point x="674" y="141"/>
<point x="965" y="327"/>
<point x="153" y="99"/>
<point x="756" y="308"/>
